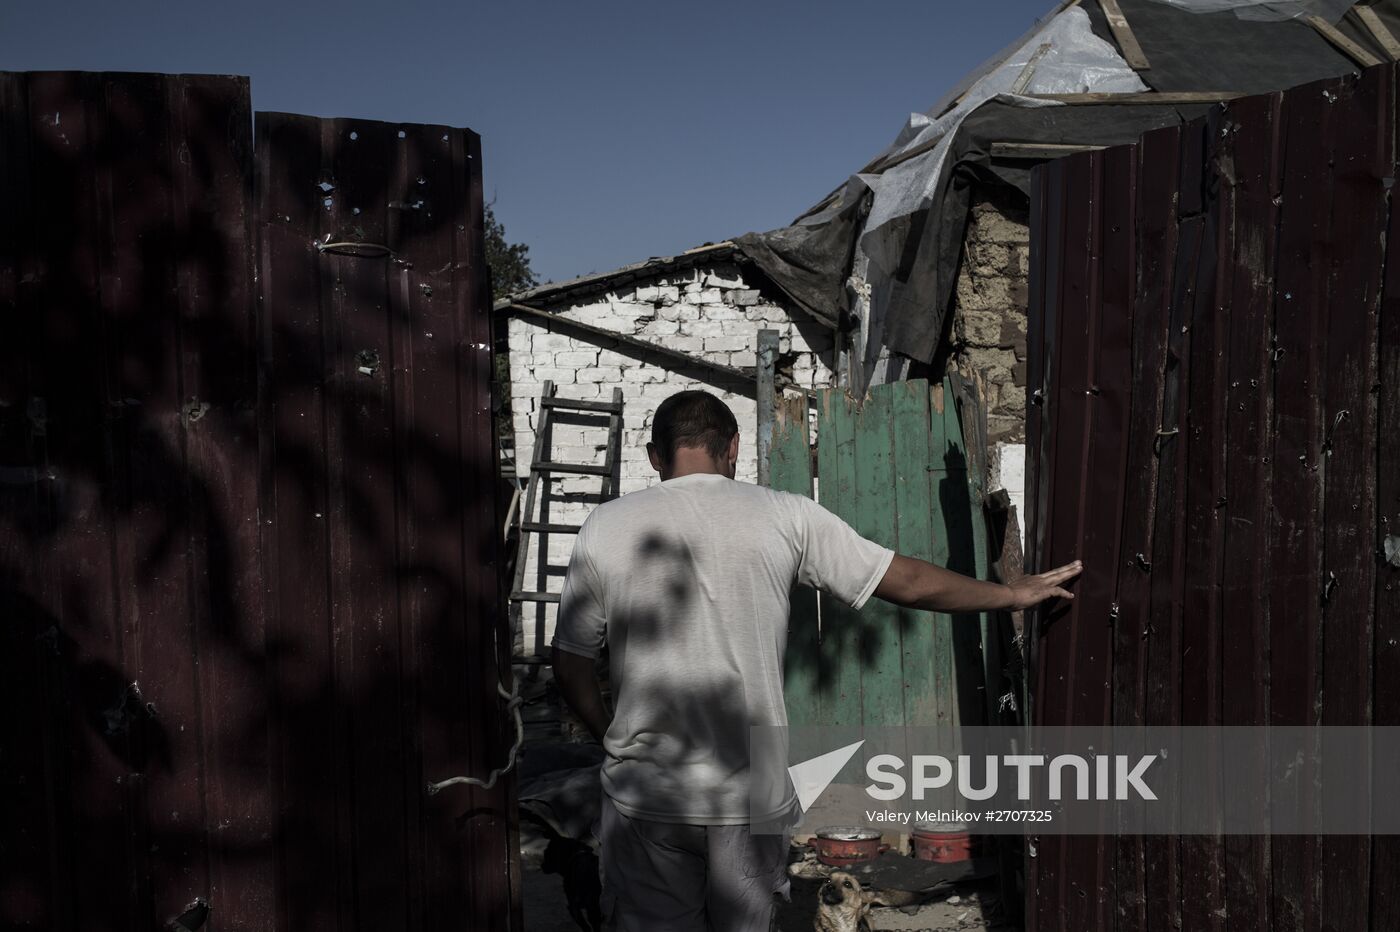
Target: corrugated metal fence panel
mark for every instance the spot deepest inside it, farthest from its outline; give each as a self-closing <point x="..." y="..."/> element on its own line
<point x="383" y="539"/>
<point x="248" y="572"/>
<point x="1213" y="363"/>
<point x="132" y="580"/>
<point x="893" y="466"/>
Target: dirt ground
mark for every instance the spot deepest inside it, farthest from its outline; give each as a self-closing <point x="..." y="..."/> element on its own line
<point x="971" y="907"/>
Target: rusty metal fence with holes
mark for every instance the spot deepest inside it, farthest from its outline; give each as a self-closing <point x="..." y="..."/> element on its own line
<point x="1215" y="431"/>
<point x="248" y="552"/>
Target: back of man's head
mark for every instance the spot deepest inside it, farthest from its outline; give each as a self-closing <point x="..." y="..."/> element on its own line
<point x="692" y="419"/>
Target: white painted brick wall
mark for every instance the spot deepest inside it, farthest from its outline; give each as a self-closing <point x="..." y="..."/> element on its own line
<point x="711" y="313"/>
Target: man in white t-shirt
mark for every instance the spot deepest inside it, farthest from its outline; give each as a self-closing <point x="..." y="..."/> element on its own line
<point x="689" y="581"/>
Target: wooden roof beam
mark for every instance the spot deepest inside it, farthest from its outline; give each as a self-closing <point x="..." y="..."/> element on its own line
<point x="1123" y="35"/>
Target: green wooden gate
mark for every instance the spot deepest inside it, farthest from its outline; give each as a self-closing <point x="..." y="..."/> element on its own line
<point x="894" y="466"/>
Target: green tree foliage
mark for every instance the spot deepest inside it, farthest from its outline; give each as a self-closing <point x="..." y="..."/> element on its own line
<point x="509" y="262"/>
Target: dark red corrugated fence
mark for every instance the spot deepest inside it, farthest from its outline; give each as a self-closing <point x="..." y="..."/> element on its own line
<point x="1215" y="330"/>
<point x="247" y="566"/>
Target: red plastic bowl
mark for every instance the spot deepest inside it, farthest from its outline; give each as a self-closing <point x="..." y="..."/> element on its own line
<point x="842" y="847"/>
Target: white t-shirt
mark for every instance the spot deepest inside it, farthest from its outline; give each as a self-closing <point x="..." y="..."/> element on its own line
<point x="689" y="581"/>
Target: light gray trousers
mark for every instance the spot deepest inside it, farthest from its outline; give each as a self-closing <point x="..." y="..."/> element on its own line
<point x="672" y="877"/>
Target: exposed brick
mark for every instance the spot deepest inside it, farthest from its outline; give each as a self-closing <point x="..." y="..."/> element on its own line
<point x="557" y="376"/>
<point x="550" y="341"/>
<point x="578" y="357"/>
<point x="725" y="344"/>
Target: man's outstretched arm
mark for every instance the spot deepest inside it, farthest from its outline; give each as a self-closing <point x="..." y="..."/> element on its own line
<point x="918" y="584"/>
<point x="578" y="685"/>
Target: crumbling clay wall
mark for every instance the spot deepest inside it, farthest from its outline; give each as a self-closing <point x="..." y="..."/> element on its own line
<point x="989" y="325"/>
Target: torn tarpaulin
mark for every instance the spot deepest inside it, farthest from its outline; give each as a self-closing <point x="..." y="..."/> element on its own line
<point x="908" y="246"/>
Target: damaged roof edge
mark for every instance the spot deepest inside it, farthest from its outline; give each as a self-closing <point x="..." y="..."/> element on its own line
<point x="604" y="281"/>
<point x="728" y="250"/>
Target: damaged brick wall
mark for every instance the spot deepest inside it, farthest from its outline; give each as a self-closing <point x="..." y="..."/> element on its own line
<point x="989" y="327"/>
<point x="989" y="308"/>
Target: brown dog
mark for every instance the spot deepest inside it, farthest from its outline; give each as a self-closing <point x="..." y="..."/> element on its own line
<point x="843" y="906"/>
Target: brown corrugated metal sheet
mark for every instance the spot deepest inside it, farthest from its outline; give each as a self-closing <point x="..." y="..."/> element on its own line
<point x="1213" y="374"/>
<point x="247" y="572"/>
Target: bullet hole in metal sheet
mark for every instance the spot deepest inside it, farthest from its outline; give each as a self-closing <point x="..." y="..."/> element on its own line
<point x="403" y="135"/>
<point x="367" y="362"/>
<point x="426" y="289"/>
<point x="326" y="187"/>
<point x="327" y="202"/>
<point x="195" y="409"/>
<point x="354" y="135"/>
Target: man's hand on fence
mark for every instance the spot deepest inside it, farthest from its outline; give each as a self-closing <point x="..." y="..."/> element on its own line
<point x="1029" y="591"/>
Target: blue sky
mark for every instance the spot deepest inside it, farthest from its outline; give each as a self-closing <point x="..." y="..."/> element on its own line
<point x="612" y="131"/>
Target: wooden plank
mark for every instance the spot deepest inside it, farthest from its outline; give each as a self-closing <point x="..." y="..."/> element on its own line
<point x="766" y="400"/>
<point x="538" y="455"/>
<point x="578" y="404"/>
<point x="1123" y="35"/>
<point x="925" y="704"/>
<point x="841" y="640"/>
<point x="1036" y="150"/>
<point x="1378" y="29"/>
<point x="791" y="472"/>
<point x="626" y="344"/>
<point x="1338" y="38"/>
<point x="582" y="469"/>
<point x="956" y="520"/>
<point x="1151" y="98"/>
<point x="1023" y="79"/>
<point x="874" y="517"/>
<point x="1248" y="194"/>
<point x="1361" y="159"/>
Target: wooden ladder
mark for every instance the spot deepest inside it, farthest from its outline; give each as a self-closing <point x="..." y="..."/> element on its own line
<point x="542" y="469"/>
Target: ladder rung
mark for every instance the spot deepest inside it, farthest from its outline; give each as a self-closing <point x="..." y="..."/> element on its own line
<point x="537" y="528"/>
<point x="534" y="597"/>
<point x="580" y="405"/>
<point x="584" y="469"/>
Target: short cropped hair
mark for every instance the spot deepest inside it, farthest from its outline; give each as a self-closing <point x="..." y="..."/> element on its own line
<point x="692" y="419"/>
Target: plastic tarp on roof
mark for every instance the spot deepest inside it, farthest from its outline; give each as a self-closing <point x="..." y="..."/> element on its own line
<point x="883" y="254"/>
